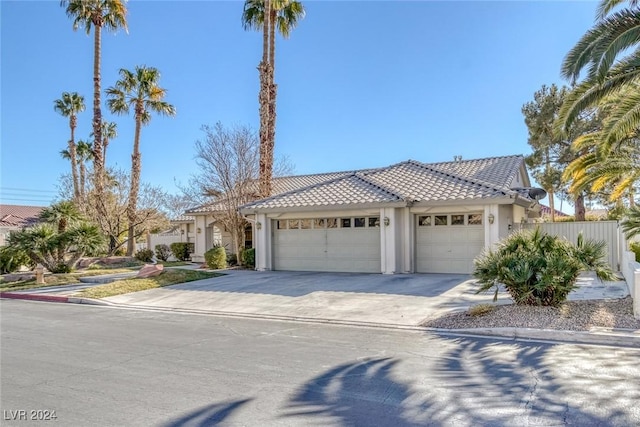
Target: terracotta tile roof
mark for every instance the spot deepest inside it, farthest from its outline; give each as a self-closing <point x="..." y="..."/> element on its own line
<point x="183" y="218"/>
<point x="409" y="181"/>
<point x="16" y="216"/>
<point x="350" y="190"/>
<point x="280" y="185"/>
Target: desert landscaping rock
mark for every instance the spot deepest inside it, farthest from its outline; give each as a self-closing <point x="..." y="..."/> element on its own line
<point x="570" y="316"/>
<point x="150" y="270"/>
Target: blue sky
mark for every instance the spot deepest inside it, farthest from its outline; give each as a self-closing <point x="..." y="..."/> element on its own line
<point x="361" y="83"/>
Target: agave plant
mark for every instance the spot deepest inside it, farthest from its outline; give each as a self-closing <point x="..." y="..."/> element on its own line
<point x="539" y="269"/>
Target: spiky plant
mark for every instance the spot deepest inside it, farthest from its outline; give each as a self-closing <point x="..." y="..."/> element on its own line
<point x="537" y="268"/>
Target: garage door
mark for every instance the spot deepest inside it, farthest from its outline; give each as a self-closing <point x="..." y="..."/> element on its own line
<point x="327" y="244"/>
<point x="448" y="243"/>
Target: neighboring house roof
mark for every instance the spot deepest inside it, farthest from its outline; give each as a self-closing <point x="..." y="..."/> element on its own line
<point x="17" y="216"/>
<point x="546" y="211"/>
<point x="408" y="182"/>
<point x="183" y="219"/>
<point x="597" y="213"/>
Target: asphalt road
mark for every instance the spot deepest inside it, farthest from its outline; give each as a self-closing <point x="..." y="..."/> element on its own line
<point x="97" y="366"/>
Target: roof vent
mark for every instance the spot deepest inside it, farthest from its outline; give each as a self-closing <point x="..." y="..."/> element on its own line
<point x="457" y="158"/>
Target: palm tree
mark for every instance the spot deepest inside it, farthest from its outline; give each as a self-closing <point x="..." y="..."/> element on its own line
<point x="138" y="89"/>
<point x="631" y="224"/>
<point x="69" y="105"/>
<point x="60" y="215"/>
<point x="85" y="153"/>
<point x="283" y="15"/>
<point x="109" y="132"/>
<point x="96" y="14"/>
<point x="618" y="169"/>
<point x="609" y="54"/>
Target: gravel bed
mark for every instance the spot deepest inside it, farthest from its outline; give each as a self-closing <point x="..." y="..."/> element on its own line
<point x="570" y="316"/>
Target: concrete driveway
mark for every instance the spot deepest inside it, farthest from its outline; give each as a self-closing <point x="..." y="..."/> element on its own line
<point x="403" y="299"/>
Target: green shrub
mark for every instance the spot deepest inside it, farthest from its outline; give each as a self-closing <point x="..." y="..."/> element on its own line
<point x="11" y="259"/>
<point x="163" y="252"/>
<point x="216" y="258"/>
<point x="635" y="248"/>
<point x="61" y="268"/>
<point x="249" y="257"/>
<point x="182" y="250"/>
<point x="144" y="255"/>
<point x="537" y="268"/>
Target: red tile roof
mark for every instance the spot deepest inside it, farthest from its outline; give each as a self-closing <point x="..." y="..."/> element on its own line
<point x="19" y="216"/>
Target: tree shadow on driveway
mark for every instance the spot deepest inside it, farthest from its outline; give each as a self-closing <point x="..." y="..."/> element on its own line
<point x="206" y="416"/>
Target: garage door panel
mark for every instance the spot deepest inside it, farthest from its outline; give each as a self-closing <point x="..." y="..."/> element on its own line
<point x="330" y="249"/>
<point x="448" y="249"/>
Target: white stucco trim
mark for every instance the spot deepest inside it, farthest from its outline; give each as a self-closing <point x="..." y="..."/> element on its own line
<point x="388" y="233"/>
<point x="491" y="231"/>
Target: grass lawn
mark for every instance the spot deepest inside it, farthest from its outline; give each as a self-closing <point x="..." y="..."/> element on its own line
<point x="167" y="278"/>
<point x="61" y="279"/>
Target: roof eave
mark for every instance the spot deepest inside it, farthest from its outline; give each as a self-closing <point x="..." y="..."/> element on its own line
<point x="346" y="206"/>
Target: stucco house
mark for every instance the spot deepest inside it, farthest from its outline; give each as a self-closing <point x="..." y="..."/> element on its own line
<point x="17" y="217"/>
<point x="409" y="217"/>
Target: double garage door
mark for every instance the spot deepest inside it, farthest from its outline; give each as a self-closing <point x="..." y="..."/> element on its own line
<point x="445" y="243"/>
<point x="327" y="244"/>
<point x="448" y="243"/>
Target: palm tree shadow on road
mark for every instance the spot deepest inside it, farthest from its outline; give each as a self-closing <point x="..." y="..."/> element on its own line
<point x="210" y="415"/>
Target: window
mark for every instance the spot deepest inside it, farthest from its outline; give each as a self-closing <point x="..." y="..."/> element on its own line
<point x="440" y="220"/>
<point x="248" y="237"/>
<point x="282" y="224"/>
<point x="359" y="222"/>
<point x="457" y="219"/>
<point x="294" y="223"/>
<point x="474" y="219"/>
<point x="424" y="221"/>
<point x="374" y="221"/>
<point x="345" y="222"/>
<point x="305" y="224"/>
<point x="332" y="223"/>
<point x="319" y="223"/>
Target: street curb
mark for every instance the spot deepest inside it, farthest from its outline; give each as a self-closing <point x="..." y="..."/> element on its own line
<point x="90" y="301"/>
<point x="598" y="336"/>
<point x="34" y="297"/>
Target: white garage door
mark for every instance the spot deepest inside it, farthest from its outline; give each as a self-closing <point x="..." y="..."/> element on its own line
<point x="327" y="244"/>
<point x="448" y="243"/>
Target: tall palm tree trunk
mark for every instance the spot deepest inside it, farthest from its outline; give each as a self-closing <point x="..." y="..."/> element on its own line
<point x="272" y="91"/>
<point x="98" y="164"/>
<point x="264" y="100"/>
<point x="83" y="174"/>
<point x="135" y="183"/>
<point x="73" y="158"/>
<point x="580" y="211"/>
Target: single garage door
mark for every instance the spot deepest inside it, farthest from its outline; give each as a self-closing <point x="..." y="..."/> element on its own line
<point x="327" y="244"/>
<point x="448" y="243"/>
